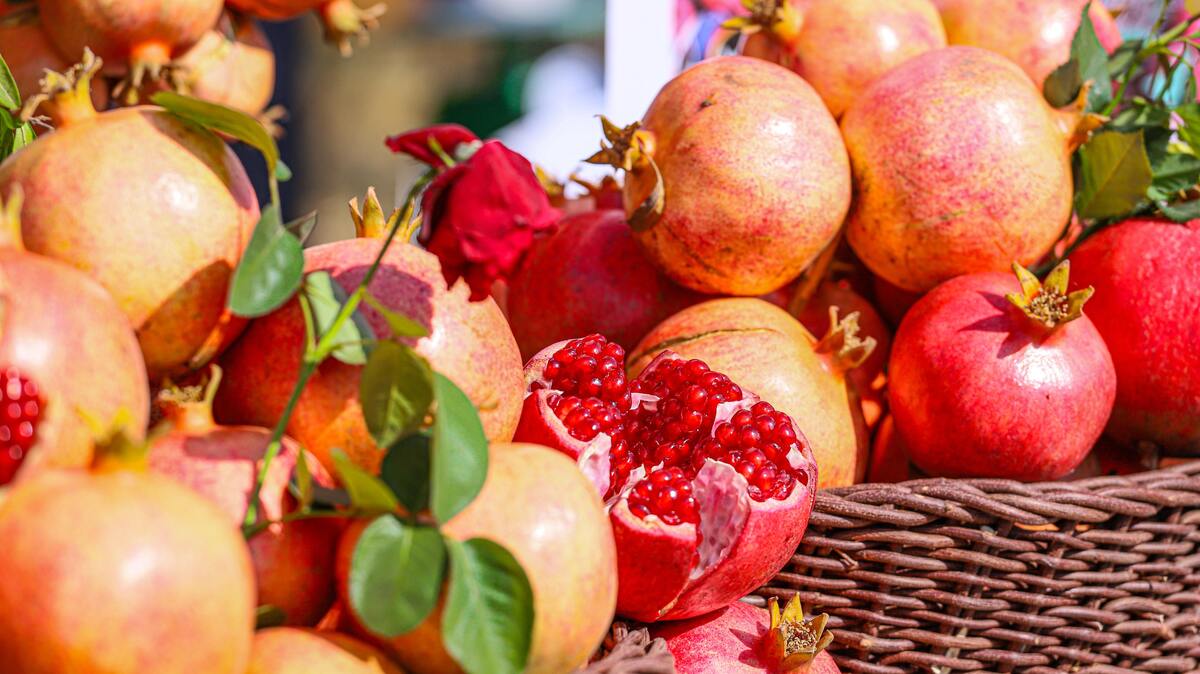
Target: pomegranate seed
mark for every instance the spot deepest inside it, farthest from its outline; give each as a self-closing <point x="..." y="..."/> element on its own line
<point x="22" y="409"/>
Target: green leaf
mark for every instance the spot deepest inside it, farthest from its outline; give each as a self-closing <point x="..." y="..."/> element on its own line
<point x="487" y="625"/>
<point x="1123" y="57"/>
<point x="10" y="96"/>
<point x="303" y="226"/>
<point x="283" y="173"/>
<point x="215" y="117"/>
<point x="460" y="451"/>
<point x="367" y="492"/>
<point x="1189" y="132"/>
<point x="1181" y="212"/>
<point x="325" y="299"/>
<point x="396" y="575"/>
<point x="406" y="471"/>
<point x="268" y="615"/>
<point x="23" y="135"/>
<point x="271" y="269"/>
<point x="1172" y="173"/>
<point x="401" y="325"/>
<point x="304" y="481"/>
<point x="1062" y="86"/>
<point x="1114" y="175"/>
<point x="396" y="390"/>
<point x="1093" y="62"/>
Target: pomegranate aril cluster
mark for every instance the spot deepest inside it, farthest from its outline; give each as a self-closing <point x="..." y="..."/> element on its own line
<point x="667" y="493"/>
<point x="756" y="442"/>
<point x="689" y="394"/>
<point x="20" y="409"/>
<point x="590" y="367"/>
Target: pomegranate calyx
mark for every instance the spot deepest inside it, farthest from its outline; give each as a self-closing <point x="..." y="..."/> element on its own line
<point x="1075" y="122"/>
<point x="1049" y="303"/>
<point x="369" y="221"/>
<point x="115" y="448"/>
<point x="631" y="149"/>
<point x="68" y="94"/>
<point x="189" y="408"/>
<point x="781" y="18"/>
<point x="849" y="350"/>
<point x="344" y="20"/>
<point x="793" y="641"/>
<point x="10" y="219"/>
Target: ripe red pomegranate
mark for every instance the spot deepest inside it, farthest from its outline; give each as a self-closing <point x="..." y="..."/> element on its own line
<point x="469" y="342"/>
<point x="589" y="276"/>
<point x="288" y="650"/>
<point x="1145" y="273"/>
<point x="766" y="350"/>
<point x="66" y="355"/>
<point x="541" y="509"/>
<point x="293" y="561"/>
<point x="889" y="458"/>
<point x="343" y="19"/>
<point x="1034" y="34"/>
<point x="893" y="302"/>
<point x="960" y="166"/>
<point x="743" y="639"/>
<point x="29" y="53"/>
<point x="141" y="36"/>
<point x="992" y="376"/>
<point x="233" y="65"/>
<point x="755" y="175"/>
<point x="709" y="488"/>
<point x="153" y="208"/>
<point x="841" y="46"/>
<point x="121" y="571"/>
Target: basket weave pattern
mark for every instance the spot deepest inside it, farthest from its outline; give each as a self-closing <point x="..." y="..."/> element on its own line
<point x="1099" y="575"/>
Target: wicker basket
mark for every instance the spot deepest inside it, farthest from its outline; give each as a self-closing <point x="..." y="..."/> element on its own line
<point x="1098" y="575"/>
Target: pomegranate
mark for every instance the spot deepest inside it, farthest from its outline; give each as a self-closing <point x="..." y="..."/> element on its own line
<point x="889" y="458"/>
<point x="991" y="377"/>
<point x="140" y="36"/>
<point x="709" y="488"/>
<point x="765" y="350"/>
<point x="841" y="46"/>
<point x="960" y="166"/>
<point x="754" y="175"/>
<point x="1145" y="274"/>
<point x="29" y="54"/>
<point x="118" y="570"/>
<point x="293" y="561"/>
<point x="589" y="276"/>
<point x="288" y="650"/>
<point x="66" y="355"/>
<point x="342" y="18"/>
<point x="1034" y="34"/>
<point x="233" y="65"/>
<point x="538" y="506"/>
<point x="743" y="639"/>
<point x="469" y="342"/>
<point x="153" y="208"/>
<point x="893" y="302"/>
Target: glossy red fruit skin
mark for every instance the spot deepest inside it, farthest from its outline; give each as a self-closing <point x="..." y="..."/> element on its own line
<point x="725" y="642"/>
<point x="978" y="389"/>
<point x="588" y="277"/>
<point x="1147" y="308"/>
<point x="469" y="342"/>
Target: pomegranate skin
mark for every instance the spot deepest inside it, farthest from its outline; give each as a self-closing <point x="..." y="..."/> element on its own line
<point x="959" y="167"/>
<point x="276" y="10"/>
<point x="977" y="389"/>
<point x="288" y="650"/>
<point x="131" y="31"/>
<point x="589" y="277"/>
<point x="893" y="302"/>
<point x="29" y="53"/>
<point x="103" y="190"/>
<point x="537" y="504"/>
<point x="469" y="342"/>
<point x="134" y="574"/>
<point x="725" y="642"/>
<point x="755" y="174"/>
<point x="233" y="66"/>
<point x="765" y="350"/>
<point x="1034" y="34"/>
<point x="845" y="45"/>
<point x="62" y="331"/>
<point x="1145" y="273"/>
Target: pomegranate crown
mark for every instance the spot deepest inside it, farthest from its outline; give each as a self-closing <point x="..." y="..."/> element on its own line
<point x="793" y="641"/>
<point x="843" y="341"/>
<point x="369" y="221"/>
<point x="69" y="92"/>
<point x="1049" y="303"/>
<point x="781" y="18"/>
<point x="631" y="149"/>
<point x="189" y="406"/>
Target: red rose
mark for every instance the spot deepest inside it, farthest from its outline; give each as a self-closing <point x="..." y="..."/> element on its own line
<point x="419" y="144"/>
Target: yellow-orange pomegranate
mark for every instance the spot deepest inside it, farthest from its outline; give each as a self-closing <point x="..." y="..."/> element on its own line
<point x="289" y="650"/>
<point x="233" y="65"/>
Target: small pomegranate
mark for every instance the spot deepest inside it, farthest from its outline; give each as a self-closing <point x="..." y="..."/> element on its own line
<point x="117" y="570"/>
<point x="233" y="65"/>
<point x="889" y="458"/>
<point x="288" y="650"/>
<point x="960" y="166"/>
<point x="708" y="488"/>
<point x="29" y="53"/>
<point x="766" y="350"/>
<point x="589" y="276"/>
<point x="66" y="355"/>
<point x="1034" y="34"/>
<point x="469" y="342"/>
<point x="841" y="46"/>
<point x="293" y="561"/>
<point x="754" y="176"/>
<point x="893" y="302"/>
<point x="140" y="36"/>
<point x="743" y="639"/>
<point x="153" y="208"/>
<point x="538" y="506"/>
<point x="1145" y="273"/>
<point x="342" y="18"/>
<point x="991" y="377"/>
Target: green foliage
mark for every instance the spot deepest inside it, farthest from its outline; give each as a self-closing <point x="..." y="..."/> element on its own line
<point x="396" y="575"/>
<point x="368" y="494"/>
<point x="396" y="391"/>
<point x="324" y="298"/>
<point x="1114" y="175"/>
<point x="271" y="269"/>
<point x="460" y="451"/>
<point x="488" y="621"/>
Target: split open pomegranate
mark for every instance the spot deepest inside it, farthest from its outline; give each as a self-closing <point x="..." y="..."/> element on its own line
<point x="708" y="488"/>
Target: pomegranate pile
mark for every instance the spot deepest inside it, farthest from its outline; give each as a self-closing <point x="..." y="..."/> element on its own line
<point x="853" y="241"/>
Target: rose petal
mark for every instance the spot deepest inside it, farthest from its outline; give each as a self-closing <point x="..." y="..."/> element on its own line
<point x="416" y="144"/>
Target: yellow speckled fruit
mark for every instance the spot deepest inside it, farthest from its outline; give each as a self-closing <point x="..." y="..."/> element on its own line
<point x="289" y="650"/>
